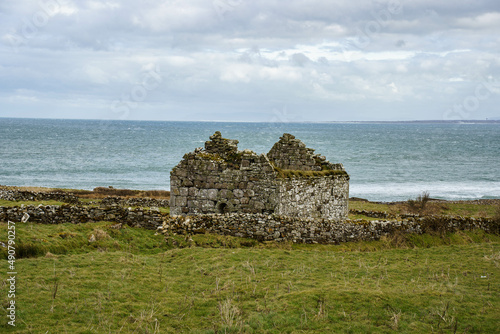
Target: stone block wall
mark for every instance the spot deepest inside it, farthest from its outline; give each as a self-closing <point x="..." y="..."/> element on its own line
<point x="203" y="183"/>
<point x="315" y="197"/>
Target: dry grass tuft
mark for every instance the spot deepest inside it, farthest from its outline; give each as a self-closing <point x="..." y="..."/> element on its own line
<point x="100" y="234"/>
<point x="229" y="313"/>
<point x="50" y="255"/>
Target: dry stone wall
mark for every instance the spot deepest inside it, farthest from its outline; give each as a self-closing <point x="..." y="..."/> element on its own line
<point x="285" y="228"/>
<point x="142" y="202"/>
<point x="53" y="214"/>
<point x="20" y="195"/>
<point x="257" y="226"/>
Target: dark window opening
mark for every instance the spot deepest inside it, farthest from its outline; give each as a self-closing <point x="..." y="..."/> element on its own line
<point x="223" y="208"/>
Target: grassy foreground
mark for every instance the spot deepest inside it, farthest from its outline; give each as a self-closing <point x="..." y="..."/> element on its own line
<point x="132" y="281"/>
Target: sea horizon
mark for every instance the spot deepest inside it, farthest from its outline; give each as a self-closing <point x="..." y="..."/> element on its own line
<point x="423" y="121"/>
<point x="387" y="161"/>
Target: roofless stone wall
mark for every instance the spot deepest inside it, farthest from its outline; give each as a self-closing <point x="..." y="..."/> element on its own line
<point x="291" y="153"/>
<point x="205" y="183"/>
<point x="317" y="197"/>
<point x="289" y="180"/>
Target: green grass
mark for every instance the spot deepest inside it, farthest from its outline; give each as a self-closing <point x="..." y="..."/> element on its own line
<point x="130" y="280"/>
<point x="469" y="209"/>
<point x="34" y="240"/>
<point x="357" y="216"/>
<point x="44" y="189"/>
<point x="439" y="208"/>
<point x="370" y="206"/>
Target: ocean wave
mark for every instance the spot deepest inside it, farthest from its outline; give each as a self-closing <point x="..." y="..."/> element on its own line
<point x="442" y="190"/>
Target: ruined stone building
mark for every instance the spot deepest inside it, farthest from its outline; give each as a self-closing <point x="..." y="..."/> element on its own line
<point x="290" y="180"/>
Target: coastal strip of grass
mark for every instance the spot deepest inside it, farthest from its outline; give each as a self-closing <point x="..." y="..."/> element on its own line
<point x="134" y="280"/>
<point x="468" y="209"/>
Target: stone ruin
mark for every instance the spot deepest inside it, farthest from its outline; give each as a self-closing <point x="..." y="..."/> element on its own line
<point x="290" y="181"/>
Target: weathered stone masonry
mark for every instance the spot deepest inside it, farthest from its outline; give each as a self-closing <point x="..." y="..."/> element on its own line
<point x="301" y="230"/>
<point x="54" y="214"/>
<point x="290" y="181"/>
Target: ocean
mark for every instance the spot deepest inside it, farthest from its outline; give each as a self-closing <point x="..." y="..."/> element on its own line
<point x="386" y="161"/>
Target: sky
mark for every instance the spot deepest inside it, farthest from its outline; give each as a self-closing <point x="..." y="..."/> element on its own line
<point x="250" y="60"/>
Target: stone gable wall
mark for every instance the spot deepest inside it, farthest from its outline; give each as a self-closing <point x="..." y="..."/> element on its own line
<point x="291" y="153"/>
<point x="222" y="146"/>
<point x="207" y="184"/>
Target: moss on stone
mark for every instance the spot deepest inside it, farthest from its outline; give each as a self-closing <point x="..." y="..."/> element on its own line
<point x="233" y="160"/>
<point x="209" y="156"/>
<point x="289" y="173"/>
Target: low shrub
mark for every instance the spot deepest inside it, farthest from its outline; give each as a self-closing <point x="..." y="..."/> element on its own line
<point x="419" y="204"/>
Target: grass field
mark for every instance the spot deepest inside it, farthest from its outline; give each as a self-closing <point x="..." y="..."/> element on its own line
<point x="131" y="281"/>
<point x="438" y="208"/>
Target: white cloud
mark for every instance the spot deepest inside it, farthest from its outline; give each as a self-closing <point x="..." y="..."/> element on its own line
<point x="483" y="21"/>
<point x="393" y="87"/>
<point x="280" y="74"/>
<point x="98" y="5"/>
<point x="237" y="73"/>
<point x="253" y="57"/>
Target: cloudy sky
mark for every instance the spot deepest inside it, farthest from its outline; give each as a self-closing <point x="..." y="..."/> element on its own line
<point x="250" y="60"/>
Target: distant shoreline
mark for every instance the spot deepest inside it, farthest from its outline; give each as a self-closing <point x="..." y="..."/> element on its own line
<point x="465" y="121"/>
<point x="425" y="122"/>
